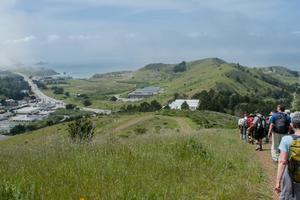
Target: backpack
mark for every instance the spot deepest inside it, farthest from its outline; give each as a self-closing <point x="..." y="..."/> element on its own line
<point x="281" y="124"/>
<point x="250" y="121"/>
<point x="260" y="124"/>
<point x="241" y="122"/>
<point x="294" y="159"/>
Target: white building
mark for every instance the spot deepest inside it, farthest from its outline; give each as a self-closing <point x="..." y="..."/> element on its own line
<point x="27" y="110"/>
<point x="26" y="118"/>
<point x="145" y="92"/>
<point x="193" y="104"/>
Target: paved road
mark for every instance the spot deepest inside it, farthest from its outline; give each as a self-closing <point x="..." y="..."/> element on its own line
<point x="44" y="98"/>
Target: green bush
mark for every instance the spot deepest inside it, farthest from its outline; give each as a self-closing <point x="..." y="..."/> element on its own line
<point x="140" y="130"/>
<point x="81" y="130"/>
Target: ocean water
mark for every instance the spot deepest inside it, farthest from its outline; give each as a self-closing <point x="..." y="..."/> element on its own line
<point x="87" y="70"/>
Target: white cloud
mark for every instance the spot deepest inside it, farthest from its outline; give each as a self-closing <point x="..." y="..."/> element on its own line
<point x="53" y="38"/>
<point x="80" y="37"/>
<point x="196" y="35"/>
<point x="13" y="28"/>
<point x="21" y="40"/>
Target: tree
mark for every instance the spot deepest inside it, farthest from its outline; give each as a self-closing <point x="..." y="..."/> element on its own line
<point x="296" y="102"/>
<point x="70" y="106"/>
<point x="81" y="130"/>
<point x="113" y="98"/>
<point x="185" y="106"/>
<point x="18" y="129"/>
<point x="57" y="90"/>
<point x="155" y="105"/>
<point x="67" y="94"/>
<point x="167" y="107"/>
<point x="145" y="107"/>
<point x="87" y="102"/>
<point x="180" y="67"/>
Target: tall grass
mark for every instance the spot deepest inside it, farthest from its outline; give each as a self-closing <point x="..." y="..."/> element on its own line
<point x="207" y="164"/>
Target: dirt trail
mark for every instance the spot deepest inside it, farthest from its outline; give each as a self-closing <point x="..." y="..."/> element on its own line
<point x="269" y="167"/>
<point x="132" y="122"/>
<point x="184" y="126"/>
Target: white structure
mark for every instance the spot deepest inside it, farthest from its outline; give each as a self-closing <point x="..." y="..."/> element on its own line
<point x="193" y="104"/>
<point x="145" y="92"/>
<point x="27" y="110"/>
<point x="26" y="118"/>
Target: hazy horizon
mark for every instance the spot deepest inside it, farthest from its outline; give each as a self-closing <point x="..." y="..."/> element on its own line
<point x="116" y="35"/>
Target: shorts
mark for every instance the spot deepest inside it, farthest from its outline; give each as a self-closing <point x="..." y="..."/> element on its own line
<point x="259" y="134"/>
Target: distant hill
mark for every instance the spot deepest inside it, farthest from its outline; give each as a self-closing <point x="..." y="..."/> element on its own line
<point x="283" y="71"/>
<point x="225" y="87"/>
<point x="11" y="86"/>
<point x="112" y="75"/>
<point x="36" y="71"/>
<point x="214" y="73"/>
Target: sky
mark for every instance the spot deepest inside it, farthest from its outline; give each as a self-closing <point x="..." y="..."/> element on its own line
<point x="127" y="34"/>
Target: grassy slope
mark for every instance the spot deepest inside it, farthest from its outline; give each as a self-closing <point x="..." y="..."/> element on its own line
<point x="283" y="74"/>
<point x="200" y="75"/>
<point x="169" y="164"/>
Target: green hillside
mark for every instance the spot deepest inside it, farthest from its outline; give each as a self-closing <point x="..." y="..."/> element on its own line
<point x="11" y="86"/>
<point x="187" y="79"/>
<point x="283" y="74"/>
<point x="140" y="156"/>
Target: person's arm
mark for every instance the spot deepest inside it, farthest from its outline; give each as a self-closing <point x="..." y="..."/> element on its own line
<point x="283" y="161"/>
<point x="290" y="129"/>
<point x="270" y="130"/>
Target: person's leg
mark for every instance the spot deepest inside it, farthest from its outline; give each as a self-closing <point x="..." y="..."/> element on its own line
<point x="260" y="144"/>
<point x="277" y="140"/>
<point x="241" y="132"/>
<point x="274" y="149"/>
<point x="244" y="132"/>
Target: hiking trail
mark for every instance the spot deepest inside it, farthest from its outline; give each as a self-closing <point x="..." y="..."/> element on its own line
<point x="269" y="166"/>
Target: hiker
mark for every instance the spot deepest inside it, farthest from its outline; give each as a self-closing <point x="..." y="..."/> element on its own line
<point x="288" y="179"/>
<point x="267" y="120"/>
<point x="259" y="125"/>
<point x="245" y="127"/>
<point x="250" y="128"/>
<point x="279" y="127"/>
<point x="242" y="123"/>
<point x="241" y="127"/>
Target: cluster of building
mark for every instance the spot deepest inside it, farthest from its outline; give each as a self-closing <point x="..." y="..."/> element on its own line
<point x="14" y="112"/>
<point x="54" y="79"/>
<point x="145" y="92"/>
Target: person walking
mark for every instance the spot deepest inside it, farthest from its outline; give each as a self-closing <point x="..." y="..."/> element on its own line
<point x="241" y="122"/>
<point x="250" y="128"/>
<point x="259" y="125"/>
<point x="280" y="126"/>
<point x="288" y="174"/>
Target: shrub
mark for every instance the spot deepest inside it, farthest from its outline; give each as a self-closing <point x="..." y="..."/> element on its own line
<point x="57" y="90"/>
<point x="113" y="98"/>
<point x="180" y="67"/>
<point x="81" y="130"/>
<point x="140" y="130"/>
<point x="18" y="130"/>
<point x="87" y="102"/>
<point x="70" y="106"/>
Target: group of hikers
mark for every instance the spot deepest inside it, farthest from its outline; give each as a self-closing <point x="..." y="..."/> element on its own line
<point x="283" y="129"/>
